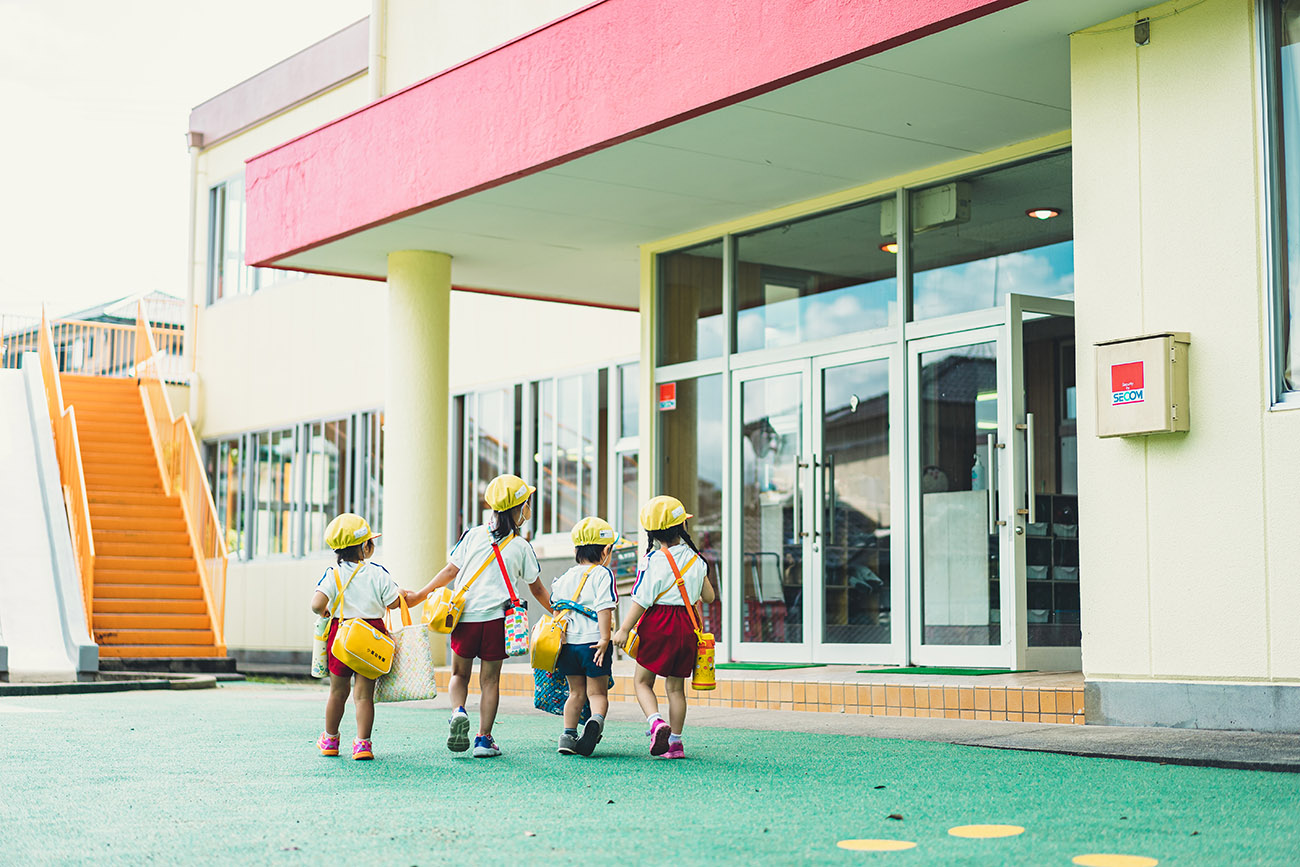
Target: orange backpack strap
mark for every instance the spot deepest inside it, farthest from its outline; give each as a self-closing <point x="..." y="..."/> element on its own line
<point x="681" y="585"/>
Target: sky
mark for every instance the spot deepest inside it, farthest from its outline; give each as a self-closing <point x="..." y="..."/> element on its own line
<point x="95" y="97"/>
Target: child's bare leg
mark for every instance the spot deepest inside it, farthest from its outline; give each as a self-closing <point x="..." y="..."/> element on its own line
<point x="577" y="698"/>
<point x="364" y="703"/>
<point x="598" y="695"/>
<point x="458" y="686"/>
<point x="340" y="685"/>
<point x="489" y="688"/>
<point x="676" y="687"/>
<point x="644" y="682"/>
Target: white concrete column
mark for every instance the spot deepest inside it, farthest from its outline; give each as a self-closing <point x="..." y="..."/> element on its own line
<point x="416" y="416"/>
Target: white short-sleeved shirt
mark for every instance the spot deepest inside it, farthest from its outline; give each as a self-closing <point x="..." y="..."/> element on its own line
<point x="368" y="595"/>
<point x="487" y="598"/>
<point x="654" y="576"/>
<point x="598" y="594"/>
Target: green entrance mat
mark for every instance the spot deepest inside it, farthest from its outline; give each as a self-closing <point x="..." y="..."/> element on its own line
<point x="929" y="669"/>
<point x="765" y="666"/>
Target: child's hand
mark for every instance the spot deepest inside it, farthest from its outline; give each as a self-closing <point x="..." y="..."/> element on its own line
<point x="601" y="646"/>
<point x="412" y="598"/>
<point x="620" y="638"/>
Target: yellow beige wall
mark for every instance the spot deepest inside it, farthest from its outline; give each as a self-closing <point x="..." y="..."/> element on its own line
<point x="424" y="38"/>
<point x="1187" y="540"/>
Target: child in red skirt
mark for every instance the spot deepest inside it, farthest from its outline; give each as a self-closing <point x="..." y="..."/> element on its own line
<point x="659" y="600"/>
<point x="352" y="588"/>
<point x="481" y="632"/>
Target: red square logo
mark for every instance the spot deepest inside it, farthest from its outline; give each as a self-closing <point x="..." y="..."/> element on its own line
<point x="1126" y="377"/>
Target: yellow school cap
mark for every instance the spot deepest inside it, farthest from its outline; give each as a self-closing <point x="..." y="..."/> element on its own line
<point x="507" y="491"/>
<point x="593" y="531"/>
<point x="662" y="512"/>
<point x="347" y="530"/>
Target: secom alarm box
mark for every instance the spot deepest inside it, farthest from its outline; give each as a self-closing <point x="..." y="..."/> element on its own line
<point x="1142" y="385"/>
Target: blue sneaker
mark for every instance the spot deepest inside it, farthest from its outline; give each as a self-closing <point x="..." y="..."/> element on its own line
<point x="458" y="739"/>
<point x="485" y="747"/>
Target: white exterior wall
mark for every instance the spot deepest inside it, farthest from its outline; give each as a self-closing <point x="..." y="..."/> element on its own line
<point x="424" y="38"/>
<point x="1187" y="543"/>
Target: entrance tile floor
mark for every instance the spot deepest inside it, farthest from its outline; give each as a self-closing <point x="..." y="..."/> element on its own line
<point x="1040" y="697"/>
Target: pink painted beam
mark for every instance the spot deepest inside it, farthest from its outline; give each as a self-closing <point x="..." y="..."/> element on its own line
<point x="605" y="74"/>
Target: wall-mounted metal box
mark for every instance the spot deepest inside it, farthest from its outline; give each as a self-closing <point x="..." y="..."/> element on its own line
<point x="1142" y="385"/>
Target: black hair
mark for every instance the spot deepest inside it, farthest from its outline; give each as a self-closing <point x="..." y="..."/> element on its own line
<point x="351" y="554"/>
<point x="591" y="554"/>
<point x="505" y="523"/>
<point x="670" y="537"/>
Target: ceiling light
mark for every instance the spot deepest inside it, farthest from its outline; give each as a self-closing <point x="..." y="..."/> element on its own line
<point x="1043" y="213"/>
<point x="889" y="247"/>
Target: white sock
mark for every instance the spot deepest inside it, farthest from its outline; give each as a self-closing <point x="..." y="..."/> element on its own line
<point x="674" y="739"/>
<point x="654" y="716"/>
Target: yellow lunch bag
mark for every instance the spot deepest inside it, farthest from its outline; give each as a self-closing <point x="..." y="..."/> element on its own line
<point x="548" y="634"/>
<point x="358" y="645"/>
<point x="443" y="608"/>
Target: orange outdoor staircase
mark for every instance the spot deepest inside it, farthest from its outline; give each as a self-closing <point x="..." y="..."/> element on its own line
<point x="148" y="600"/>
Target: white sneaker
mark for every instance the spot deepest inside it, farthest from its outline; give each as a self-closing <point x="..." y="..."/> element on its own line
<point x="458" y="739"/>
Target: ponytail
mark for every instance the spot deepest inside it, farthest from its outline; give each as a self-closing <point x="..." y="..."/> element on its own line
<point x="669" y="537"/>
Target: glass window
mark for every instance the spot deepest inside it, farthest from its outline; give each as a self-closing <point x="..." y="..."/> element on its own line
<point x="372" y="507"/>
<point x="492" y="425"/>
<point x="327" y="474"/>
<point x="227" y="273"/>
<point x="690" y="304"/>
<point x="273" y="519"/>
<point x="629" y="404"/>
<point x="690" y="461"/>
<point x="226" y="472"/>
<point x="1286" y="188"/>
<point x="979" y="238"/>
<point x="629" y="526"/>
<point x="817" y="277"/>
<point x="546" y="456"/>
<point x="576" y="449"/>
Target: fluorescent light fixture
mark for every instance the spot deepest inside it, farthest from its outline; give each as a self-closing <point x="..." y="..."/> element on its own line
<point x="1043" y="213"/>
<point x="889" y="247"/>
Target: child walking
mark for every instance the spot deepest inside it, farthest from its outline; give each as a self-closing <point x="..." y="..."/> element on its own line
<point x="587" y="591"/>
<point x="351" y="588"/>
<point x="484" y="560"/>
<point x="671" y="576"/>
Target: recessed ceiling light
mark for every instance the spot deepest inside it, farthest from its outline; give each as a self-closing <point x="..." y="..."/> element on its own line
<point x="889" y="247"/>
<point x="1043" y="213"/>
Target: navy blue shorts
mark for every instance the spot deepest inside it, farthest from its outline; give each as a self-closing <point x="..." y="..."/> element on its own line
<point x="578" y="659"/>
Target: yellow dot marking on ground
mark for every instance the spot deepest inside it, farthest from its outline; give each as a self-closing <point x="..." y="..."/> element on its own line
<point x="986" y="831"/>
<point x="876" y="845"/>
<point x="1114" y="861"/>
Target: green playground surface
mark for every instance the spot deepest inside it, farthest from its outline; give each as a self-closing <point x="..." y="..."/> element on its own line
<point x="231" y="775"/>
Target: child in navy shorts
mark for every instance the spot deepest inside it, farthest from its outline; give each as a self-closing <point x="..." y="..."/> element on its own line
<point x="587" y="592"/>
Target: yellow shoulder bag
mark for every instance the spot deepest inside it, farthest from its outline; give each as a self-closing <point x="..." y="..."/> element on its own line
<point x="548" y="634"/>
<point x="443" y="608"/>
<point x="358" y="645"/>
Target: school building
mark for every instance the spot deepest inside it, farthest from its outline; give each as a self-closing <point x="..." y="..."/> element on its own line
<point x="861" y="283"/>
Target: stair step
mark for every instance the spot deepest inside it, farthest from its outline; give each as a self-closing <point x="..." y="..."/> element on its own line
<point x="125" y="482"/>
<point x="142" y="565"/>
<point x="144" y="525"/>
<point x="140" y="498"/>
<point x="144" y="605"/>
<point x="159" y="650"/>
<point x="116" y="622"/>
<point x="124" y="456"/>
<point x="153" y="636"/>
<point x="133" y="590"/>
<point x="130" y="535"/>
<point x="134" y="512"/>
<point x="114" y="550"/>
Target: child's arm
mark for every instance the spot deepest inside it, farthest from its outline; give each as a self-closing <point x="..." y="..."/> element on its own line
<point x="320" y="604"/>
<point x="634" y="612"/>
<point x="606" y="620"/>
<point x="707" y="593"/>
<point x="442" y="579"/>
<point x="541" y="595"/>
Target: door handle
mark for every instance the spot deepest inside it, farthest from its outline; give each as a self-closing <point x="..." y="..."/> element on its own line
<point x="828" y="498"/>
<point x="1029" y="469"/>
<point x="991" y="481"/>
<point x="799" y="466"/>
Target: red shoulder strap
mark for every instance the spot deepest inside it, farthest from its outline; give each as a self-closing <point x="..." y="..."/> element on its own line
<point x="505" y="576"/>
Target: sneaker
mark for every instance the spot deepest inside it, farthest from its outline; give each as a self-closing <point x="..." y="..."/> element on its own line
<point x="328" y="744"/>
<point x="675" y="751"/>
<point x="485" y="747"/>
<point x="591" y="731"/>
<point x="458" y="740"/>
<point x="361" y="749"/>
<point x="568" y="744"/>
<point x="658" y="734"/>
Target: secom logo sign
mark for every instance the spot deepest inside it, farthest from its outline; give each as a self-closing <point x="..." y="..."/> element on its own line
<point x="1126" y="383"/>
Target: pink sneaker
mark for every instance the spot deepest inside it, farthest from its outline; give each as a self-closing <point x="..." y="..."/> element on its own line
<point x="361" y="749"/>
<point x="328" y="744"/>
<point x="659" y="733"/>
<point x="675" y="751"/>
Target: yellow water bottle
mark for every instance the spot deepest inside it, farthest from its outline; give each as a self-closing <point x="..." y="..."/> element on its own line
<point x="704" y="679"/>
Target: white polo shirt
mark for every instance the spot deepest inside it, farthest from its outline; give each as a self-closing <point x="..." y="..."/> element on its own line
<point x="654" y="576"/>
<point x="598" y="594"/>
<point x="368" y="595"/>
<point x="487" y="597"/>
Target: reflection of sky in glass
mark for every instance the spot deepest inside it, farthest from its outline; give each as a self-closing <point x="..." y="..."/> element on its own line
<point x="709" y="440"/>
<point x="1045" y="271"/>
<point x="813" y="317"/>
